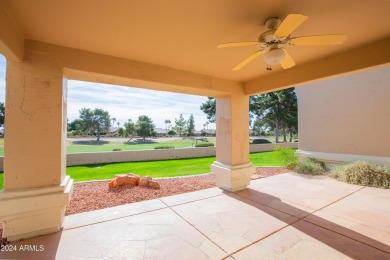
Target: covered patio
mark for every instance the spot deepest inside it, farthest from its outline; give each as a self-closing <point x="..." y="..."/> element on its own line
<point x="171" y="46"/>
<point x="287" y="216"/>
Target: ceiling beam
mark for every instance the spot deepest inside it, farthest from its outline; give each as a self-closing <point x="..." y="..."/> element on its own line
<point x="94" y="67"/>
<point x="369" y="56"/>
<point x="11" y="38"/>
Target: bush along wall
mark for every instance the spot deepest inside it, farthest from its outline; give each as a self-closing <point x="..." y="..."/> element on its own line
<point x="164" y="147"/>
<point x="204" y="145"/>
<point x="363" y="173"/>
<point x="261" y="141"/>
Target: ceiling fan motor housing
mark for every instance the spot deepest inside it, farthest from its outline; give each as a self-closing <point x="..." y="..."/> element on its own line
<point x="272" y="23"/>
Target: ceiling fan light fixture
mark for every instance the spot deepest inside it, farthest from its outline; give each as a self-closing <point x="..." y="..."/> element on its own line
<point x="274" y="56"/>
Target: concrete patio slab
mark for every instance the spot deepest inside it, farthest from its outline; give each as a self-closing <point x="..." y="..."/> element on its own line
<point x="304" y="240"/>
<point x="288" y="216"/>
<point x="191" y="196"/>
<point x="96" y="216"/>
<point x="297" y="194"/>
<point x="231" y="221"/>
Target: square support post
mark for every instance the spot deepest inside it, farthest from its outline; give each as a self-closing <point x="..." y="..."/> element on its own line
<point x="36" y="189"/>
<point x="233" y="168"/>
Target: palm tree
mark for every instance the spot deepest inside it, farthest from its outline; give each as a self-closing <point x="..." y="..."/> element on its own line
<point x="118" y="123"/>
<point x="113" y="120"/>
<point x="167" y="122"/>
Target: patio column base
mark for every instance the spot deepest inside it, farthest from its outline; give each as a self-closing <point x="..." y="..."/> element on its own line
<point x="232" y="178"/>
<point x="32" y="212"/>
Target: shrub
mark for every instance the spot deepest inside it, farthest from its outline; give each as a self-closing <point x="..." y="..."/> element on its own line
<point x="164" y="147"/>
<point x="204" y="145"/>
<point x="171" y="132"/>
<point x="261" y="141"/>
<point x="363" y="173"/>
<point x="286" y="156"/>
<point x="116" y="149"/>
<point x="310" y="166"/>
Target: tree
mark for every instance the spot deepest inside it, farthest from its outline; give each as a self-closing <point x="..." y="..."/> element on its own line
<point x="167" y="123"/>
<point x="191" y="125"/>
<point x="95" y="121"/>
<point x="180" y="124"/>
<point x="2" y="113"/>
<point x="129" y="129"/>
<point x="209" y="108"/>
<point x="171" y="132"/>
<point x="273" y="111"/>
<point x="121" y="131"/>
<point x="277" y="110"/>
<point x="145" y="126"/>
<point x="113" y="120"/>
<point x="118" y="123"/>
<point x="76" y="126"/>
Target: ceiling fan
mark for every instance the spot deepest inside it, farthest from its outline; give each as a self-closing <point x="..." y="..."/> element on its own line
<point x="272" y="42"/>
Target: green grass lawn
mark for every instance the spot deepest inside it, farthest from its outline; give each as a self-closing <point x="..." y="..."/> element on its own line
<point x="82" y="146"/>
<point x="1" y="146"/>
<point x="104" y="146"/>
<point x="109" y="146"/>
<point x="168" y="168"/>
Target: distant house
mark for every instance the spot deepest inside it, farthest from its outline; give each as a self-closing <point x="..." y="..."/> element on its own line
<point x="160" y="132"/>
<point x="113" y="130"/>
<point x="197" y="133"/>
<point x="209" y="132"/>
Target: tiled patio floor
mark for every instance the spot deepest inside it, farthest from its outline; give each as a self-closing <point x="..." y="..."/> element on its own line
<point x="287" y="216"/>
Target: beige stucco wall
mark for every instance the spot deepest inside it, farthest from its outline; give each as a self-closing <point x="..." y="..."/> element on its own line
<point x="346" y="115"/>
<point x="152" y="155"/>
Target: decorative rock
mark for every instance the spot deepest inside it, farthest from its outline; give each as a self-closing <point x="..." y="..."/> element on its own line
<point x="132" y="174"/>
<point x="143" y="182"/>
<point x="154" y="185"/>
<point x="113" y="183"/>
<point x="120" y="180"/>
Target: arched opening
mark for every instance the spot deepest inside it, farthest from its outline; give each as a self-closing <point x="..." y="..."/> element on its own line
<point x="117" y="151"/>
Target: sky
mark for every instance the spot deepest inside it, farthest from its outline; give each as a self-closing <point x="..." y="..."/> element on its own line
<point x="125" y="103"/>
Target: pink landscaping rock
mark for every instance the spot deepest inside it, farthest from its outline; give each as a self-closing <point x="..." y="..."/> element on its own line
<point x="132" y="174"/>
<point x="143" y="182"/>
<point x="121" y="180"/>
<point x="154" y="185"/>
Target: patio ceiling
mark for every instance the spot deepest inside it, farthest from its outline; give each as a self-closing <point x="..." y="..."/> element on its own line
<point x="184" y="34"/>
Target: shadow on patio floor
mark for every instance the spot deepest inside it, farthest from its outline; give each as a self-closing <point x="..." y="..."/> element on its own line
<point x="317" y="227"/>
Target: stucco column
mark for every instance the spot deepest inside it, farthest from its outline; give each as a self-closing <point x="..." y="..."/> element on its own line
<point x="36" y="189"/>
<point x="233" y="168"/>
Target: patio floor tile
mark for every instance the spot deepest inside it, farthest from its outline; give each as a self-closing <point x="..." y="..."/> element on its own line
<point x="304" y="240"/>
<point x="96" y="216"/>
<point x="232" y="221"/>
<point x="296" y="194"/>
<point x="159" y="234"/>
<point x="362" y="216"/>
<point x="191" y="196"/>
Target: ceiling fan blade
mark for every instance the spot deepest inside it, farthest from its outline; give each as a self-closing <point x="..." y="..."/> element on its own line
<point x="247" y="60"/>
<point x="289" y="24"/>
<point x="237" y="44"/>
<point x="288" y="61"/>
<point x="319" y="39"/>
